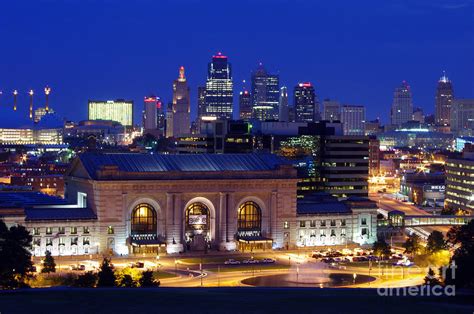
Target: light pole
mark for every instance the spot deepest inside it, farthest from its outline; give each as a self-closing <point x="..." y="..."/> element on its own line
<point x="15" y="95"/>
<point x="31" y="103"/>
<point x="47" y="91"/>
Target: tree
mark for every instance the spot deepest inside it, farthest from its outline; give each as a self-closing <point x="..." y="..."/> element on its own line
<point x="126" y="281"/>
<point x="86" y="280"/>
<point x="413" y="244"/>
<point x="435" y="242"/>
<point x="15" y="261"/>
<point x="431" y="279"/>
<point x="49" y="266"/>
<point x="106" y="274"/>
<point x="381" y="248"/>
<point x="147" y="280"/>
<point x="463" y="259"/>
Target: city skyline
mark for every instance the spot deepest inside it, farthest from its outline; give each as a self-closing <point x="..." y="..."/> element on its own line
<point x="340" y="65"/>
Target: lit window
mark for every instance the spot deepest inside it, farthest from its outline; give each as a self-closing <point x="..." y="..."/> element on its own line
<point x="110" y="230"/>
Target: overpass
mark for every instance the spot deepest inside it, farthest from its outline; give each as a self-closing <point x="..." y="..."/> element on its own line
<point x="436" y="220"/>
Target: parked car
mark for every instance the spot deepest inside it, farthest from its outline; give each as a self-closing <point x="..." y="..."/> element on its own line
<point x="268" y="260"/>
<point x="137" y="265"/>
<point x="78" y="267"/>
<point x="232" y="262"/>
<point x="251" y="261"/>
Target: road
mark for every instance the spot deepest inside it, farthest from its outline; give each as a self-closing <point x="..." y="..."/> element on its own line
<point x="389" y="204"/>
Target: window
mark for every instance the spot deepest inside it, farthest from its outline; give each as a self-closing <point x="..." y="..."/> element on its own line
<point x="343" y="222"/>
<point x="333" y="223"/>
<point x="143" y="220"/>
<point x="49" y="230"/>
<point x="343" y="232"/>
<point x="333" y="233"/>
<point x="364" y="231"/>
<point x="49" y="241"/>
<point x="323" y="223"/>
<point x="37" y="241"/>
<point x="81" y="199"/>
<point x="249" y="217"/>
<point x="61" y="241"/>
<point x="36" y="231"/>
<point x="363" y="221"/>
<point x="286" y="225"/>
<point x="312" y="224"/>
<point x="73" y="230"/>
<point x="86" y="241"/>
<point x="86" y="230"/>
<point x="61" y="230"/>
<point x="110" y="230"/>
<point x="302" y="224"/>
<point x="74" y="240"/>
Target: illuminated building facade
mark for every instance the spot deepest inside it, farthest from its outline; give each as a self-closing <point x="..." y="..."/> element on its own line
<point x="402" y="105"/>
<point x="443" y="100"/>
<point x="116" y="110"/>
<point x="181" y="108"/>
<point x="306" y="105"/>
<point x="219" y="89"/>
<point x="460" y="183"/>
<point x="265" y="95"/>
<point x="283" y="108"/>
<point x="462" y="117"/>
<point x="353" y="119"/>
<point x="245" y="105"/>
<point x="31" y="136"/>
<point x="41" y="112"/>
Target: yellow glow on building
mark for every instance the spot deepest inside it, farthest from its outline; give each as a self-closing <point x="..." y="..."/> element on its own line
<point x="115" y="110"/>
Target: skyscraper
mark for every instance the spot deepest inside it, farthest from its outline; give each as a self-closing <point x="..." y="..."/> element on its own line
<point x="180" y="123"/>
<point x="462" y="117"/>
<point x="305" y="103"/>
<point x="331" y="110"/>
<point x="402" y="106"/>
<point x="116" y="110"/>
<point x="219" y="88"/>
<point x="443" y="100"/>
<point x="150" y="115"/>
<point x="201" y="110"/>
<point x="265" y="94"/>
<point x="245" y="105"/>
<point x="283" y="109"/>
<point x="353" y="119"/>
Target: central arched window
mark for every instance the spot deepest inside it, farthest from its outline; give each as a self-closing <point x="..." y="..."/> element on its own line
<point x="143" y="219"/>
<point x="249" y="217"/>
<point x="197" y="218"/>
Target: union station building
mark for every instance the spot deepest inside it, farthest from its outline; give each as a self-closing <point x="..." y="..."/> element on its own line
<point x="143" y="203"/>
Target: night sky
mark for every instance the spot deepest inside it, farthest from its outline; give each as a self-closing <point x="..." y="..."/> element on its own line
<point x="354" y="51"/>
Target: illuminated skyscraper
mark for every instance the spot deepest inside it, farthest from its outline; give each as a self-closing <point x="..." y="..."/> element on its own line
<point x="265" y="94"/>
<point x="245" y="105"/>
<point x="116" y="110"/>
<point x="305" y="103"/>
<point x="353" y="119"/>
<point x="283" y="109"/>
<point x="219" y="88"/>
<point x="444" y="98"/>
<point x="180" y="121"/>
<point x="150" y="115"/>
<point x="402" y="105"/>
<point x="331" y="110"/>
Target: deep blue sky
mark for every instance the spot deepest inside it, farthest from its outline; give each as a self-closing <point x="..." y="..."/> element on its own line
<point x="353" y="51"/>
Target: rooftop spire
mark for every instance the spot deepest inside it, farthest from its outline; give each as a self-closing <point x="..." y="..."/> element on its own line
<point x="181" y="78"/>
<point x="444" y="78"/>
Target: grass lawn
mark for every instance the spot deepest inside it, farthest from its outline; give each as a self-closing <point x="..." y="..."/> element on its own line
<point x="225" y="300"/>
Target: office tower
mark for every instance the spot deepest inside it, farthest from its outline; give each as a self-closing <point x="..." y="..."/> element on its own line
<point x="462" y="117"/>
<point x="402" y="106"/>
<point x="331" y="110"/>
<point x="181" y="106"/>
<point x="150" y="114"/>
<point x="219" y="88"/>
<point x="374" y="156"/>
<point x="306" y="105"/>
<point x="265" y="94"/>
<point x="353" y="119"/>
<point x="201" y="102"/>
<point x="160" y="115"/>
<point x="169" y="120"/>
<point x="245" y="105"/>
<point x="443" y="100"/>
<point x="418" y="115"/>
<point x="372" y="127"/>
<point x="459" y="185"/>
<point x="115" y="110"/>
<point x="283" y="109"/>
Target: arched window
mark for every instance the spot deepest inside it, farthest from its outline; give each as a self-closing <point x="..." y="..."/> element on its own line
<point x="143" y="219"/>
<point x="197" y="217"/>
<point x="249" y="217"/>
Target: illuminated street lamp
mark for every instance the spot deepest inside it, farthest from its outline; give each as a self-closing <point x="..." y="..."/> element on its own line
<point x="47" y="91"/>
<point x="15" y="94"/>
<point x="31" y="103"/>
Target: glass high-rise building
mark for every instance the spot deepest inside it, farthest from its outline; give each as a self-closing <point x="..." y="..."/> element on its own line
<point x="331" y="110"/>
<point x="353" y="119"/>
<point x="265" y="94"/>
<point x="219" y="88"/>
<point x="284" y="110"/>
<point x="115" y="110"/>
<point x="306" y="105"/>
<point x="150" y="114"/>
<point x="245" y="105"/>
<point x="443" y="101"/>
<point x="402" y="105"/>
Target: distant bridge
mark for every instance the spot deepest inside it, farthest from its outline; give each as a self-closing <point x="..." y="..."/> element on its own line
<point x="399" y="219"/>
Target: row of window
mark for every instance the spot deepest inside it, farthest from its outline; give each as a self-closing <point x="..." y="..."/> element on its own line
<point x="322" y="223"/>
<point x="72" y="230"/>
<point x="61" y="241"/>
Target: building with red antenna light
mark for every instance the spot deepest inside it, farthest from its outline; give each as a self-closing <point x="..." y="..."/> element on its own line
<point x="245" y="105"/>
<point x="306" y="105"/>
